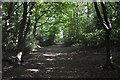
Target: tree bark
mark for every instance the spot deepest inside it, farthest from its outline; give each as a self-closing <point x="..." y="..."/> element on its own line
<point x="29" y="21"/>
<point x="22" y="27"/>
<point x="27" y="29"/>
<point x="107" y="28"/>
<point x="77" y="15"/>
<point x="107" y="36"/>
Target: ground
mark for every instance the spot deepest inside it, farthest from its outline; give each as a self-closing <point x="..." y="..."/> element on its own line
<point x="58" y="61"/>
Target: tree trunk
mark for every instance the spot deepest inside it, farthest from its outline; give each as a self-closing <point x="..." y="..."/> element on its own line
<point x="107" y="37"/>
<point x="27" y="29"/>
<point x="107" y="27"/>
<point x="21" y="29"/>
<point x="77" y="15"/>
<point x="35" y="26"/>
<point x="29" y="20"/>
<point x="107" y="45"/>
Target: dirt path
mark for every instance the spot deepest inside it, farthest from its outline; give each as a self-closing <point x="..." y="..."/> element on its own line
<point x="58" y="61"/>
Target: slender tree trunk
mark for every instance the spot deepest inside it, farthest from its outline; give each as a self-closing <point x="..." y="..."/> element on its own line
<point x="88" y="11"/>
<point x="35" y="26"/>
<point x="27" y="26"/>
<point x="108" y="53"/>
<point x="29" y="21"/>
<point x="107" y="36"/>
<point x="107" y="27"/>
<point x="77" y="15"/>
<point x="22" y="27"/>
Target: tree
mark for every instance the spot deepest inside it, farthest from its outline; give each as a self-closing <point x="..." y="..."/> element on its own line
<point x="107" y="28"/>
<point x="21" y="28"/>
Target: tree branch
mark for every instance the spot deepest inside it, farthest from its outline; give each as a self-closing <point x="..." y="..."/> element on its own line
<point x="105" y="16"/>
<point x="106" y="27"/>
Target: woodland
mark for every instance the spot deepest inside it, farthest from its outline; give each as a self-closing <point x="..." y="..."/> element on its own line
<point x="61" y="39"/>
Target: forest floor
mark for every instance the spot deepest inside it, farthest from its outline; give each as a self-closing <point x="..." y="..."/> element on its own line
<point x="58" y="61"/>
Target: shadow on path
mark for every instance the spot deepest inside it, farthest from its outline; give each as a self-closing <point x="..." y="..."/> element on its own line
<point x="57" y="61"/>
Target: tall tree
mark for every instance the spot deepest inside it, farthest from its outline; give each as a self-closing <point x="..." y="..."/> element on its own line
<point x="28" y="24"/>
<point x="77" y="23"/>
<point x="22" y="27"/>
<point x="107" y="28"/>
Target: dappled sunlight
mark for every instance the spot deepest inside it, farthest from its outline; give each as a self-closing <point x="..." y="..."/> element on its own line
<point x="52" y="54"/>
<point x="70" y="71"/>
<point x="61" y="58"/>
<point x="69" y="58"/>
<point x="32" y="59"/>
<point x="48" y="49"/>
<point x="73" y="53"/>
<point x="32" y="70"/>
<point x="26" y="75"/>
<point x="37" y="47"/>
<point x="33" y="53"/>
<point x="49" y="70"/>
<point x="25" y="63"/>
<point x="40" y="63"/>
<point x="52" y="69"/>
<point x="48" y="59"/>
<point x="8" y="67"/>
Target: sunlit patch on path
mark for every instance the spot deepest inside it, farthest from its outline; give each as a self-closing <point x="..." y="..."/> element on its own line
<point x="32" y="70"/>
<point x="52" y="54"/>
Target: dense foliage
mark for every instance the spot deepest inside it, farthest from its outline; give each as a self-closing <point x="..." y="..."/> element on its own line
<point x="28" y="24"/>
